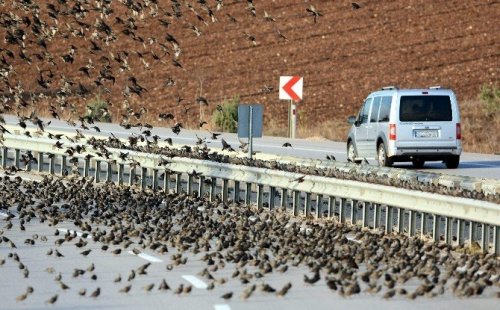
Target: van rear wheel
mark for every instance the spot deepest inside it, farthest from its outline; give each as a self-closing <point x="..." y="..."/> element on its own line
<point x="351" y="153"/>
<point x="452" y="161"/>
<point x="418" y="163"/>
<point x="382" y="159"/>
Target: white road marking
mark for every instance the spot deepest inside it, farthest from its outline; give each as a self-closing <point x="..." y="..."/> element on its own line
<point x="482" y="165"/>
<point x="195" y="281"/>
<point x="79" y="234"/>
<point x="147" y="257"/>
<point x="222" y="307"/>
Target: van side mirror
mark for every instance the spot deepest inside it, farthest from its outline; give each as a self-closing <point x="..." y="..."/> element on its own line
<point x="351" y="120"/>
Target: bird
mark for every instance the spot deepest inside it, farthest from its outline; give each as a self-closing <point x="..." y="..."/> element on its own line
<point x="226" y="146"/>
<point x="314" y="13"/>
<point x="227" y="295"/>
<point x="330" y="157"/>
<point x="125" y="289"/>
<point x="52" y="300"/>
<point x="284" y="290"/>
<point x="355" y="6"/>
<point x="163" y="286"/>
<point x="315" y="278"/>
<point x="287" y="144"/>
<point x="82" y="292"/>
<point x="86" y="252"/>
<point x="96" y="293"/>
<point x="149" y="287"/>
<point x="299" y="179"/>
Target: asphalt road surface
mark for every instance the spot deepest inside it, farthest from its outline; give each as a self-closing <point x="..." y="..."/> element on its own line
<point x="471" y="164"/>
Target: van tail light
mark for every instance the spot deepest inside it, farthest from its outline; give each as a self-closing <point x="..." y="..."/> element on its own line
<point x="392" y="132"/>
<point x="459" y="132"/>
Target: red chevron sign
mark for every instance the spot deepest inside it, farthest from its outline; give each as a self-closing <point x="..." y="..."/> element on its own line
<point x="291" y="88"/>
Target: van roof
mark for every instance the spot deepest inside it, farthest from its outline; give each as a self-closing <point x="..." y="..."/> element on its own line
<point x="415" y="91"/>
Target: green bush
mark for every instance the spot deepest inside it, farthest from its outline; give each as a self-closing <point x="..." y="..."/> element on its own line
<point x="97" y="109"/>
<point x="490" y="96"/>
<point x="225" y="117"/>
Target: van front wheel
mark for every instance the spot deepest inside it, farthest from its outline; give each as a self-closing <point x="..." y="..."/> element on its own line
<point x="383" y="160"/>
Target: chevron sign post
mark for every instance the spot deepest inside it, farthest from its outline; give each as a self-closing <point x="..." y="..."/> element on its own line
<point x="291" y="89"/>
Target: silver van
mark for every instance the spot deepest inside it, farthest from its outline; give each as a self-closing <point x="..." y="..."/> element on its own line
<point x="417" y="125"/>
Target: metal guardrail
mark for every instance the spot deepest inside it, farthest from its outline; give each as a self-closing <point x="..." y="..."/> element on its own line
<point x="453" y="220"/>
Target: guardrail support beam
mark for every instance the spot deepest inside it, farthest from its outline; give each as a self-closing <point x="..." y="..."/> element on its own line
<point x="472" y="232"/>
<point x="190" y="184"/>
<point x="342" y="210"/>
<point x="4" y="157"/>
<point x="411" y="223"/>
<point x="17" y="157"/>
<point x="97" y="171"/>
<point x="52" y="163"/>
<point x="401" y="220"/>
<point x="389" y="219"/>
<point x="272" y="197"/>
<point x="213" y="187"/>
<point x="319" y="205"/>
<point x="260" y="196"/>
<point x="423" y="224"/>
<point x="64" y="165"/>
<point x="178" y="183"/>
<point x="236" y="193"/>
<point x="40" y="161"/>
<point x="155" y="179"/>
<point x="284" y="198"/>
<point x="364" y="213"/>
<point x="331" y="206"/>
<point x="484" y="237"/>
<point x="201" y="187"/>
<point x="307" y="204"/>
<point x="296" y="201"/>
<point x="248" y="193"/>
<point x="121" y="167"/>
<point x="109" y="172"/>
<point x="448" y="222"/>
<point x="131" y="176"/>
<point x="435" y="227"/>
<point x="166" y="179"/>
<point x="460" y="231"/>
<point x="496" y="239"/>
<point x="225" y="187"/>
<point x="86" y="167"/>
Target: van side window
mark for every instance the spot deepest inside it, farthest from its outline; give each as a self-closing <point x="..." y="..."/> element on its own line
<point x="385" y="109"/>
<point x="375" y="107"/>
<point x="363" y="114"/>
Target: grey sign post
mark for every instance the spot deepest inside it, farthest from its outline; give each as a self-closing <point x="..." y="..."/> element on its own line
<point x="250" y="123"/>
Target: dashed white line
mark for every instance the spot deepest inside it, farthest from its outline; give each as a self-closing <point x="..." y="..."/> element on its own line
<point x="222" y="307"/>
<point x="195" y="281"/>
<point x="79" y="234"/>
<point x="147" y="257"/>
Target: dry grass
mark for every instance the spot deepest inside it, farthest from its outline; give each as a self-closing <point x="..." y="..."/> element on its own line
<point x="480" y="129"/>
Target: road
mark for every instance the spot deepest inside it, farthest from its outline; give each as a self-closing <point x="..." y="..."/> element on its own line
<point x="472" y="164"/>
<point x="106" y="266"/>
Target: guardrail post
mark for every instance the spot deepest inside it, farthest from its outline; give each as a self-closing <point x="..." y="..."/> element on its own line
<point x="120" y="174"/>
<point x="472" y="232"/>
<point x="307" y="204"/>
<point x="166" y="179"/>
<point x="201" y="187"/>
<point x="331" y="205"/>
<point x="28" y="165"/>
<point x="189" y="184"/>
<point x="376" y="216"/>
<point x="364" y="210"/>
<point x="389" y="219"/>
<point x="225" y="189"/>
<point x="178" y="183"/>
<point x="319" y="205"/>
<point x="423" y="224"/>
<point x="248" y="193"/>
<point x="447" y="229"/>
<point x="460" y="231"/>
<point x="17" y="157"/>
<point x="86" y="166"/>
<point x="144" y="177"/>
<point x="40" y="162"/>
<point x="354" y="209"/>
<point x="52" y="163"/>
<point x="236" y="193"/>
<point x="401" y="220"/>
<point x="411" y="223"/>
<point x="484" y="237"/>
<point x="4" y="157"/>
<point x="284" y="198"/>
<point x="272" y="197"/>
<point x="496" y="240"/>
<point x="260" y="195"/>
<point x="213" y="187"/>
<point x="109" y="172"/>
<point x="296" y="201"/>
<point x="97" y="171"/>
<point x="131" y="176"/>
<point x="155" y="179"/>
<point x="64" y="165"/>
<point x="435" y="227"/>
<point x="342" y="210"/>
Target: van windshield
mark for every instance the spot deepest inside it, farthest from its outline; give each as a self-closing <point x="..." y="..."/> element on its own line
<point x="425" y="109"/>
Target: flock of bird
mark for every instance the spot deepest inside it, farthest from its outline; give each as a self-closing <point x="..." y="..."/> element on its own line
<point x="109" y="44"/>
<point x="251" y="243"/>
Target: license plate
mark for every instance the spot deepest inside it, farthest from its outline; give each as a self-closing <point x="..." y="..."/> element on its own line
<point x="426" y="133"/>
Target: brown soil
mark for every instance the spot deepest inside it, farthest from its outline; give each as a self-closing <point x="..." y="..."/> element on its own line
<point x="344" y="56"/>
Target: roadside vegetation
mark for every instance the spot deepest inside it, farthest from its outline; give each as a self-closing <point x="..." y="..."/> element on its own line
<point x="97" y="108"/>
<point x="225" y="116"/>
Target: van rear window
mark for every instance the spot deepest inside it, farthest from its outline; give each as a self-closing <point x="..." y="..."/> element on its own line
<point x="425" y="109"/>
